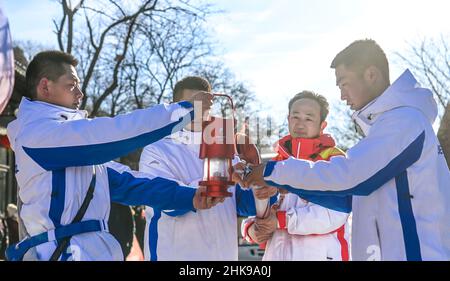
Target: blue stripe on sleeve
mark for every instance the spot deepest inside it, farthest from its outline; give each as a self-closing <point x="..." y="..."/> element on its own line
<point x="322" y="198"/>
<point x="53" y="158"/>
<point x="270" y="165"/>
<point x="396" y="166"/>
<point x="158" y="193"/>
<point x="245" y="202"/>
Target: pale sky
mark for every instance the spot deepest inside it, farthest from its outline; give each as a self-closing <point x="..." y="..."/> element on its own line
<point x="285" y="46"/>
<point x="282" y="47"/>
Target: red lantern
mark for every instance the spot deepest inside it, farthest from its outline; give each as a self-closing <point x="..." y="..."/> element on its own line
<point x="218" y="149"/>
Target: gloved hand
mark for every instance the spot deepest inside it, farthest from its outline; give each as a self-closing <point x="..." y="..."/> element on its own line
<point x="265" y="192"/>
<point x="263" y="229"/>
<point x="238" y="172"/>
<point x="203" y="202"/>
<point x="256" y="177"/>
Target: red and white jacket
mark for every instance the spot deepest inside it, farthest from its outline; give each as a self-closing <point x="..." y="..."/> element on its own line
<point x="306" y="231"/>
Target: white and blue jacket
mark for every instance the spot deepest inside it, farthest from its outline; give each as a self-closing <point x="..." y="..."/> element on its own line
<point x="56" y="149"/>
<point x="397" y="175"/>
<point x="186" y="235"/>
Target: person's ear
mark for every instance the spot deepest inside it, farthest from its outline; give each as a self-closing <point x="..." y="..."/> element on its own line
<point x="323" y="125"/>
<point x="371" y="74"/>
<point x="42" y="88"/>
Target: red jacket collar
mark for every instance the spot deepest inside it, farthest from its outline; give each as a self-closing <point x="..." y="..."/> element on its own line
<point x="303" y="148"/>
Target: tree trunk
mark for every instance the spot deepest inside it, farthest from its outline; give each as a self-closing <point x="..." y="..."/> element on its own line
<point x="444" y="134"/>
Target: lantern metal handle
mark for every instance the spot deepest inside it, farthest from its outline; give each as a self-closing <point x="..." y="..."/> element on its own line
<point x="233" y="109"/>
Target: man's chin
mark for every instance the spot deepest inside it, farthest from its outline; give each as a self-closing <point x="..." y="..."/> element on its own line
<point x="355" y="107"/>
<point x="303" y="136"/>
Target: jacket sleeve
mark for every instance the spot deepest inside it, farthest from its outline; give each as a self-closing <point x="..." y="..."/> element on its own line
<point x="245" y="202"/>
<point x="134" y="188"/>
<point x="153" y="164"/>
<point x="96" y="141"/>
<point x="313" y="219"/>
<point x="390" y="148"/>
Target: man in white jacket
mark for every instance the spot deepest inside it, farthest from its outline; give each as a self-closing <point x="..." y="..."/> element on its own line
<point x="187" y="235"/>
<point x="397" y="173"/>
<point x="63" y="159"/>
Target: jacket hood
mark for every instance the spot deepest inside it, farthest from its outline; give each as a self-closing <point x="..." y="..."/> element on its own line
<point x="404" y="92"/>
<point x="38" y="111"/>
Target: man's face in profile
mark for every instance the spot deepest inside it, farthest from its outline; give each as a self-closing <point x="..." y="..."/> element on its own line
<point x="65" y="91"/>
<point x="354" y="89"/>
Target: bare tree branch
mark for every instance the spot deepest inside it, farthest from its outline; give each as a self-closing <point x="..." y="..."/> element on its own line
<point x="103" y="35"/>
<point x="118" y="7"/>
<point x="60" y="27"/>
<point x="430" y="59"/>
<point x="167" y="41"/>
<point x="119" y="60"/>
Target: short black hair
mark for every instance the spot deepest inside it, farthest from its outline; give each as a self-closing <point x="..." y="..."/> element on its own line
<point x="190" y="83"/>
<point x="321" y="100"/>
<point x="48" y="64"/>
<point x="361" y="54"/>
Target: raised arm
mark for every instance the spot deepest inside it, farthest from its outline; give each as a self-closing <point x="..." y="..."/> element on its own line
<point x="95" y="141"/>
<point x="393" y="145"/>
